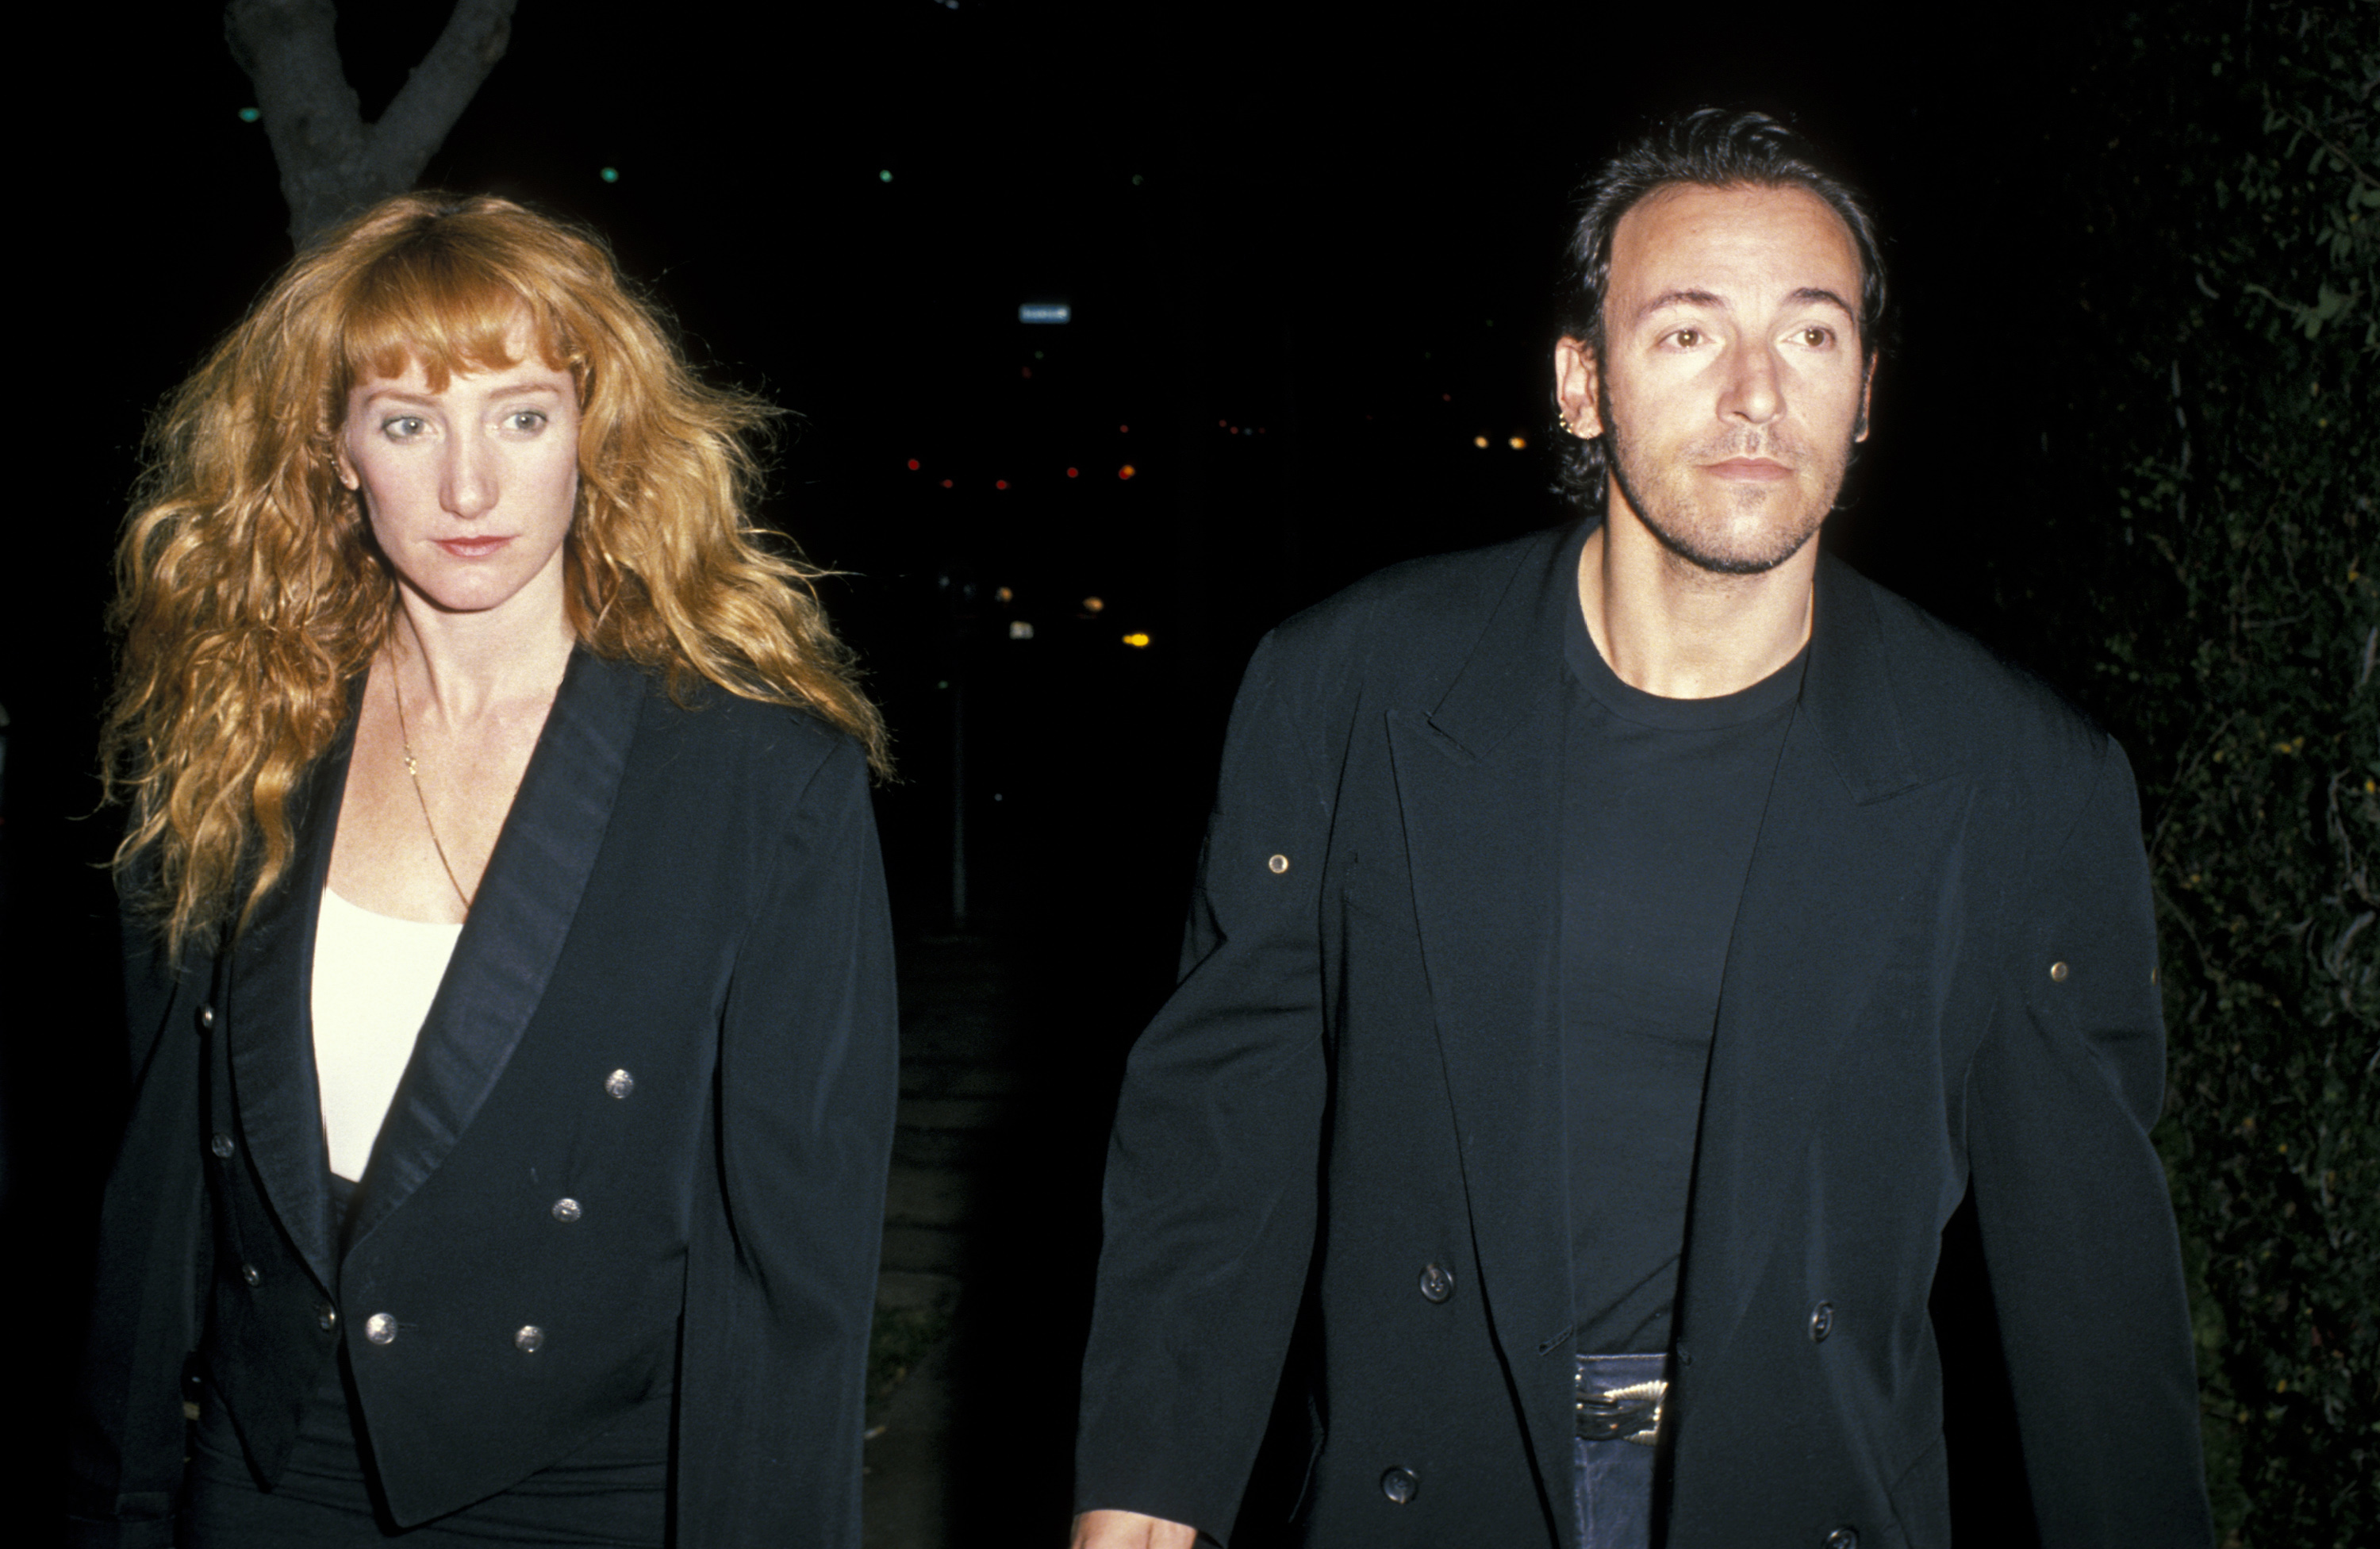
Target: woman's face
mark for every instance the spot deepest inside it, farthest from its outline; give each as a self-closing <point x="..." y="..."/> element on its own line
<point x="469" y="490"/>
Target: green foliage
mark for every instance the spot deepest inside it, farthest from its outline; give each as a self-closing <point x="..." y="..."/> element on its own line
<point x="2221" y="558"/>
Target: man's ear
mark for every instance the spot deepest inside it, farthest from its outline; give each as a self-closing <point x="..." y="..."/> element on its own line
<point x="1576" y="376"/>
<point x="1867" y="396"/>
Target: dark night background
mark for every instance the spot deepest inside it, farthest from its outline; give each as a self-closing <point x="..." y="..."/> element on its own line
<point x="1309" y="257"/>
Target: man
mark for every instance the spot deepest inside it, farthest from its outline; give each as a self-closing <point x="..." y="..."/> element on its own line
<point x="1615" y="956"/>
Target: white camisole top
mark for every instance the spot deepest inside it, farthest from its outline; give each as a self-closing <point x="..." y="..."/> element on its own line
<point x="374" y="978"/>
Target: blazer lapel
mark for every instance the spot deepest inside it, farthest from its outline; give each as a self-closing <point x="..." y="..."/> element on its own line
<point x="1479" y="782"/>
<point x="518" y="922"/>
<point x="1851" y="842"/>
<point x="268" y="1000"/>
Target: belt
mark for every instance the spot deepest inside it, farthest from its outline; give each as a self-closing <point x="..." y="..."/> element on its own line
<point x="1631" y="1413"/>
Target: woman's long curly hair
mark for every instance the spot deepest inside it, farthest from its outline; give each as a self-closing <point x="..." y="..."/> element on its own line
<point x="249" y="593"/>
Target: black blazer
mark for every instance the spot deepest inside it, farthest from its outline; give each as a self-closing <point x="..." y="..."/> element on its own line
<point x="1942" y="971"/>
<point x="672" y="1004"/>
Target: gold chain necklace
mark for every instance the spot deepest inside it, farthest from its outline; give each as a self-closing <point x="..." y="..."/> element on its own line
<point x="404" y="740"/>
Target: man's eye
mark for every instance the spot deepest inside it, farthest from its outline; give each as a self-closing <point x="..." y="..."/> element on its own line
<point x="1688" y="338"/>
<point x="1817" y="337"/>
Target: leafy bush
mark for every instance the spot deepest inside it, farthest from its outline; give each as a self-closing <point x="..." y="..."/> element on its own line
<point x="2219" y="542"/>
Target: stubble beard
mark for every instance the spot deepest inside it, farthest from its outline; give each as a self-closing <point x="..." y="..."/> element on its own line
<point x="1682" y="520"/>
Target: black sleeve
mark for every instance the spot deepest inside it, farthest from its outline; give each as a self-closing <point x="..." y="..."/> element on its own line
<point x="126" y="1434"/>
<point x="2077" y="1225"/>
<point x="1210" y="1200"/>
<point x="780" y="1276"/>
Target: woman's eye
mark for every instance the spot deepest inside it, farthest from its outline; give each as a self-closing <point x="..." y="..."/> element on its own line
<point x="528" y="420"/>
<point x="404" y="427"/>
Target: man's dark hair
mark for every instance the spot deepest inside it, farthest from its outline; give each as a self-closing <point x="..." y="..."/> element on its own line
<point x="1712" y="148"/>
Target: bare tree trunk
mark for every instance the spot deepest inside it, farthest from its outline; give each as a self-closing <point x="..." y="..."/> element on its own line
<point x="334" y="164"/>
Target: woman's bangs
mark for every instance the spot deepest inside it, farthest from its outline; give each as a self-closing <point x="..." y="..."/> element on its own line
<point x="447" y="316"/>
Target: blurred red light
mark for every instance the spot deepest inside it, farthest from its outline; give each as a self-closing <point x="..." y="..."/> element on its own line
<point x="999" y="483"/>
<point x="1073" y="472"/>
<point x="1126" y="472"/>
<point x="946" y="483"/>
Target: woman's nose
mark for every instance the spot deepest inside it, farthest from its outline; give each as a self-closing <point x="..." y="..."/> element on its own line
<point x="471" y="486"/>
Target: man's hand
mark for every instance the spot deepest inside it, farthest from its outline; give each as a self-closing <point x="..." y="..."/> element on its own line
<point x="1130" y="1529"/>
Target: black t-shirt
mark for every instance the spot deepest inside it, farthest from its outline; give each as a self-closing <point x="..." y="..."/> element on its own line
<point x="1662" y="803"/>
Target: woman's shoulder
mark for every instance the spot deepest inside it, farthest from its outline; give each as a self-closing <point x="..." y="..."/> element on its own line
<point x="708" y="733"/>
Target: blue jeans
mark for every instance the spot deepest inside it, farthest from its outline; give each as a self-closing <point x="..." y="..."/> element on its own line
<point x="1615" y="1477"/>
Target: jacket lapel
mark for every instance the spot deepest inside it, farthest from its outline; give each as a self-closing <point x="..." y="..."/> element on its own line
<point x="1840" y="877"/>
<point x="1479" y="783"/>
<point x="268" y="1013"/>
<point x="518" y="922"/>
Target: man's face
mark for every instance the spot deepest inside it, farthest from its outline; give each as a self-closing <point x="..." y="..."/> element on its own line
<point x="1732" y="381"/>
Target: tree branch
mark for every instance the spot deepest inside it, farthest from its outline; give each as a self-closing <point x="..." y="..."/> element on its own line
<point x="332" y="164"/>
<point x="440" y="87"/>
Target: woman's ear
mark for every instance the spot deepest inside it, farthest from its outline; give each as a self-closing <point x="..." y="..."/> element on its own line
<point x="347" y="474"/>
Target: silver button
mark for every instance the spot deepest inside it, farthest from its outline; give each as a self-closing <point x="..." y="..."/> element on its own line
<point x="1822" y="1322"/>
<point x="1436" y="1282"/>
<point x="327" y="1319"/>
<point x="619" y="1083"/>
<point x="1278" y="865"/>
<point x="380" y="1329"/>
<point x="566" y="1210"/>
<point x="528" y="1339"/>
<point x="1843" y="1538"/>
<point x="221" y="1145"/>
<point x="206" y="1015"/>
<point x="2058" y="972"/>
<point x="248" y="1273"/>
<point x="1400" y="1485"/>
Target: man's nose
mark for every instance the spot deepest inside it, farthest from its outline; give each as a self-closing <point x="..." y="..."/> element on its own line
<point x="1756" y="388"/>
<point x="469" y="486"/>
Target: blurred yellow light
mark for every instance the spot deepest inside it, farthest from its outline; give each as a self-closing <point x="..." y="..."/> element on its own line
<point x="1519" y="442"/>
<point x="1480" y="440"/>
<point x="1135" y="640"/>
<point x="1018" y="629"/>
<point x="1005" y="595"/>
<point x="1093" y="605"/>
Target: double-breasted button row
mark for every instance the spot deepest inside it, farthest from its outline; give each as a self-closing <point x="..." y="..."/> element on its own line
<point x="380" y="1329"/>
<point x="1822" y="1322"/>
<point x="1436" y="1282"/>
<point x="1400" y="1485"/>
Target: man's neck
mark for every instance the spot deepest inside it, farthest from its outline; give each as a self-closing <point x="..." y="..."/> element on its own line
<point x="1668" y="627"/>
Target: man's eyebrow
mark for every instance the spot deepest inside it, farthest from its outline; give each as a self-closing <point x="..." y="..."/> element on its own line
<point x="1819" y="293"/>
<point x="1680" y="298"/>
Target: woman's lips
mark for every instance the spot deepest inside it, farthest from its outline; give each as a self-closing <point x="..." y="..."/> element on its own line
<point x="471" y="548"/>
<point x="1750" y="468"/>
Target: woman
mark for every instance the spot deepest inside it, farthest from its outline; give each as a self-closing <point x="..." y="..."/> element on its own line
<point x="514" y="1037"/>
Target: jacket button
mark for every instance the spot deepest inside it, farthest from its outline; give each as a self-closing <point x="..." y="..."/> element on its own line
<point x="619" y="1083"/>
<point x="1278" y="865"/>
<point x="206" y="1015"/>
<point x="1843" y="1538"/>
<point x="327" y="1319"/>
<point x="565" y="1210"/>
<point x="380" y="1329"/>
<point x="1822" y="1322"/>
<point x="2058" y="972"/>
<point x="1400" y="1485"/>
<point x="1436" y="1282"/>
<point x="221" y="1145"/>
<point x="248" y="1273"/>
<point x="528" y="1339"/>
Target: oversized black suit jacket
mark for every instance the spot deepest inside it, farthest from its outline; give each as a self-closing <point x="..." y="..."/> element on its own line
<point x="1941" y="974"/>
<point x="689" y="898"/>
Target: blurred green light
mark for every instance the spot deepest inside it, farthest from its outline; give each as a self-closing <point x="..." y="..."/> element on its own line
<point x="611" y="175"/>
<point x="250" y="115"/>
<point x="885" y="175"/>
